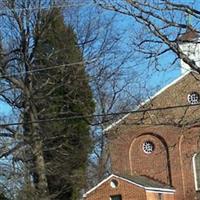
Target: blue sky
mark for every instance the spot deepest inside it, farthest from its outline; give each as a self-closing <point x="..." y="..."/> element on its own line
<point x="4" y="108"/>
<point x="152" y="78"/>
<point x="158" y="77"/>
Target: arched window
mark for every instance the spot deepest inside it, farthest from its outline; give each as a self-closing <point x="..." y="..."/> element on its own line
<point x="196" y="168"/>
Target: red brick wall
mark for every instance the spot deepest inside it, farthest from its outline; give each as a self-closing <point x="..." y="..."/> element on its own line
<point x="138" y="158"/>
<point x="172" y="132"/>
<point x="127" y="190"/>
<point x="155" y="196"/>
<point x="128" y="157"/>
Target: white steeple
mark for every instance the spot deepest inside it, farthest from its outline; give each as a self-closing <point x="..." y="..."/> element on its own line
<point x="189" y="43"/>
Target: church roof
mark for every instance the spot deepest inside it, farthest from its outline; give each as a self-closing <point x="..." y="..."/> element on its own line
<point x="140" y="181"/>
<point x="148" y="183"/>
<point x="189" y="36"/>
<point x="147" y="101"/>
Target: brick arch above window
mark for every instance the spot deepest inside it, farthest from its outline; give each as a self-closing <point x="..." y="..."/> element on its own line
<point x="155" y="162"/>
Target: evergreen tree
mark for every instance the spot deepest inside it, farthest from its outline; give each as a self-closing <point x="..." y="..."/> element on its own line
<point x="62" y="92"/>
<point x="2" y="197"/>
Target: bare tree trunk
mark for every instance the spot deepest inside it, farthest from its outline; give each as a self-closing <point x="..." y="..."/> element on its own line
<point x="41" y="185"/>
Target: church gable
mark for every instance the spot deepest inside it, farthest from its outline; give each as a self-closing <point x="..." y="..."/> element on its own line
<point x="172" y="105"/>
<point x="129" y="187"/>
<point x="176" y="105"/>
<point x="160" y="138"/>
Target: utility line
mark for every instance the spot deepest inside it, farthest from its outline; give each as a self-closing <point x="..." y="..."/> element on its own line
<point x="48" y="68"/>
<point x="46" y="7"/>
<point x="100" y="115"/>
<point x="120" y="74"/>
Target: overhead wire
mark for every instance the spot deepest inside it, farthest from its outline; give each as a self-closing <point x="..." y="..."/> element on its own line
<point x="81" y="116"/>
<point x="120" y="74"/>
<point x="48" y="68"/>
<point x="47" y="7"/>
<point x="73" y="64"/>
<point x="52" y="67"/>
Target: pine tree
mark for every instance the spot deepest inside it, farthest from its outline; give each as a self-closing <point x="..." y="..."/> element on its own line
<point x="62" y="92"/>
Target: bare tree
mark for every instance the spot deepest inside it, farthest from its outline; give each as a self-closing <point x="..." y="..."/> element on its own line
<point x="21" y="138"/>
<point x="163" y="23"/>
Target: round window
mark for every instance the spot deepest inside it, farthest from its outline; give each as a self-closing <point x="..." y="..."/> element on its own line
<point x="148" y="147"/>
<point x="114" y="183"/>
<point x="193" y="98"/>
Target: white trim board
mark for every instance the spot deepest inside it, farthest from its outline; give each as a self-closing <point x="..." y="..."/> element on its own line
<point x="148" y="189"/>
<point x="155" y="191"/>
<point x="147" y="100"/>
<point x="99" y="184"/>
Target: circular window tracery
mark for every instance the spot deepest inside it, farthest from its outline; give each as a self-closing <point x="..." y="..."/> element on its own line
<point x="114" y="183"/>
<point x="193" y="98"/>
<point x="148" y="147"/>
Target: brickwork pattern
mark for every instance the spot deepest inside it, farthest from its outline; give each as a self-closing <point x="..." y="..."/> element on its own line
<point x="127" y="191"/>
<point x="174" y="134"/>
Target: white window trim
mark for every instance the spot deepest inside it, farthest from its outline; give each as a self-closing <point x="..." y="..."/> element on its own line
<point x="195" y="172"/>
<point x="148" y="149"/>
<point x="193" y="101"/>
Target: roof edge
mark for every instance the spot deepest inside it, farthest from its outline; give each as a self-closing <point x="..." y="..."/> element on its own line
<point x="148" y="100"/>
<point x="99" y="184"/>
<point x="148" y="189"/>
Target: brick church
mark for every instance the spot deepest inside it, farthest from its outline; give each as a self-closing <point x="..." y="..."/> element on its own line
<point x="155" y="150"/>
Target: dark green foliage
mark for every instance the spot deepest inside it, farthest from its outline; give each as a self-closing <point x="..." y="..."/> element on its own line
<point x="2" y="197"/>
<point x="62" y="92"/>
